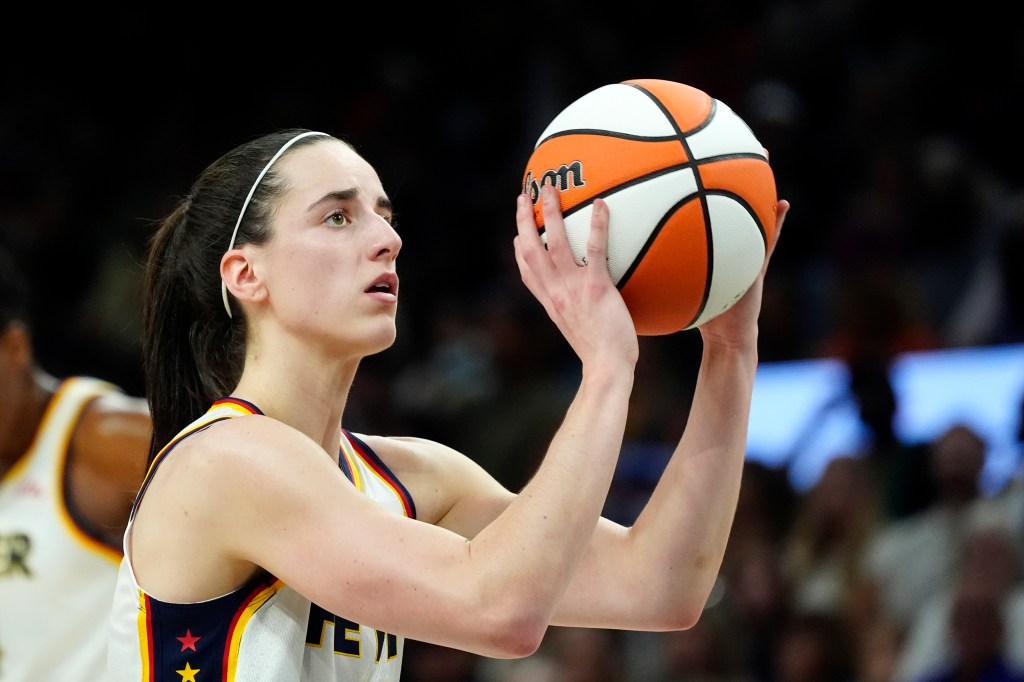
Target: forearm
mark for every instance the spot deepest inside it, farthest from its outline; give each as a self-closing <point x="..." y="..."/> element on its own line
<point x="531" y="550"/>
<point x="658" y="574"/>
<point x="679" y="540"/>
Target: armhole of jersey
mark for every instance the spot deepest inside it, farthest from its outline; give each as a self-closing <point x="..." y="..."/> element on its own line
<point x="80" y="393"/>
<point x="367" y="454"/>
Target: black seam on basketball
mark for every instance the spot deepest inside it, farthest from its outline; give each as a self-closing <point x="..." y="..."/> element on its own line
<point x="729" y="157"/>
<point x="746" y="205"/>
<point x="629" y="183"/>
<point x="680" y="134"/>
<point x="696" y="187"/>
<point x="693" y="165"/>
<point x="671" y="119"/>
<point x="707" y="225"/>
<point x="670" y="213"/>
<point x="602" y="132"/>
<point x="682" y="137"/>
<point x="710" y="240"/>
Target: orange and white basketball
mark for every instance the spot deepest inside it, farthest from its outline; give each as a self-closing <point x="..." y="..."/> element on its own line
<point x="691" y="195"/>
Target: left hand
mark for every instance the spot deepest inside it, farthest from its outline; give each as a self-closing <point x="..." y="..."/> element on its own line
<point x="737" y="326"/>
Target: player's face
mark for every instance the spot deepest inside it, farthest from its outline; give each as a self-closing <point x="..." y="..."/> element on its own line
<point x="330" y="267"/>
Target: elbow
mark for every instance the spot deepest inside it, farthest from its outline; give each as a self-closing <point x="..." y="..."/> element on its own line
<point x="516" y="645"/>
<point x="679" y="606"/>
<point x="680" y="616"/>
<point x="691" y="604"/>
<point x="514" y="633"/>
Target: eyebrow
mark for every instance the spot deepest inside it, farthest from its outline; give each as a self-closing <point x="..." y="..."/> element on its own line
<point x="383" y="203"/>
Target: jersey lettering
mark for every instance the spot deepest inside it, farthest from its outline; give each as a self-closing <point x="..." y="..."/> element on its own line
<point x="384" y="640"/>
<point x="14" y="550"/>
<point x="350" y="643"/>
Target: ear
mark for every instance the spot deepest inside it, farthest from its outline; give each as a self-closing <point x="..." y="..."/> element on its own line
<point x="238" y="271"/>
<point x="16" y="346"/>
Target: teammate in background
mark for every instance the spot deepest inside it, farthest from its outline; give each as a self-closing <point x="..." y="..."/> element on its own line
<point x="72" y="455"/>
<point x="269" y="542"/>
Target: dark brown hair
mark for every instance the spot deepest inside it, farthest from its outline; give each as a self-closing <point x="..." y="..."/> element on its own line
<point x="193" y="351"/>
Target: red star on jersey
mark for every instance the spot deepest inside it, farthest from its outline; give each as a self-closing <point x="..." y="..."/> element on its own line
<point x="188" y="641"/>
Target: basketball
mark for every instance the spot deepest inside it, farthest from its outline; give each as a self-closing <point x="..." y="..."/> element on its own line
<point x="691" y="195"/>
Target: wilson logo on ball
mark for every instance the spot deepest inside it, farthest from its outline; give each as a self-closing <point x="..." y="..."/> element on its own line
<point x="560" y="178"/>
<point x="691" y="196"/>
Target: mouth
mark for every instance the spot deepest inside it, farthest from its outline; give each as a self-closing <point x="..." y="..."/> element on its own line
<point x="387" y="283"/>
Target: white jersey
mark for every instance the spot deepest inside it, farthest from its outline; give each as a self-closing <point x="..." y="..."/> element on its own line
<point x="264" y="631"/>
<point x="56" y="581"/>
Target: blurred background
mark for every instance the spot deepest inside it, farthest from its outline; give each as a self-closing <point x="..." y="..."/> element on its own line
<point x="892" y="324"/>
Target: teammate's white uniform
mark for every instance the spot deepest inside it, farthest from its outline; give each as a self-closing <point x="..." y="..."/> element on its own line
<point x="263" y="631"/>
<point x="56" y="581"/>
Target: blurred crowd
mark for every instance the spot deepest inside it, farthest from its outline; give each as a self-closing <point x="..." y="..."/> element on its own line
<point x="894" y="139"/>
<point x="892" y="567"/>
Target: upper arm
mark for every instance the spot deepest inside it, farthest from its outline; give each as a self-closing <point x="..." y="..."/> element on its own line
<point x="109" y="451"/>
<point x="251" y="492"/>
<point x="454" y="492"/>
<point x="450" y="490"/>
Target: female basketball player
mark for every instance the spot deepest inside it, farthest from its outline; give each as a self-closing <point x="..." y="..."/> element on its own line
<point x="72" y="454"/>
<point x="270" y="543"/>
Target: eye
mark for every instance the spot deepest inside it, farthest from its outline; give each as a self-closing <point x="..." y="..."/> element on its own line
<point x="338" y="218"/>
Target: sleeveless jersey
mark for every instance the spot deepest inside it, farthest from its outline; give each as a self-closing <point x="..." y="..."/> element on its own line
<point x="263" y="631"/>
<point x="56" y="580"/>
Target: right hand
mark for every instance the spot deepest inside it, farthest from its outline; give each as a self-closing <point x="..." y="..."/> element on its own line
<point x="582" y="301"/>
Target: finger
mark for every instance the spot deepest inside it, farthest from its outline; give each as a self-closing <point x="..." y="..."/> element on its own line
<point x="597" y="243"/>
<point x="554" y="228"/>
<point x="529" y="246"/>
<point x="530" y="254"/>
<point x="525" y="272"/>
<point x="526" y="225"/>
<point x="782" y="209"/>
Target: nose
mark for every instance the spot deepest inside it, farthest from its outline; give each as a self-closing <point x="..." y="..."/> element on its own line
<point x="387" y="243"/>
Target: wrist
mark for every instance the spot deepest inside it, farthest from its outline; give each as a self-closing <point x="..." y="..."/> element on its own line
<point x="608" y="375"/>
<point x="717" y="349"/>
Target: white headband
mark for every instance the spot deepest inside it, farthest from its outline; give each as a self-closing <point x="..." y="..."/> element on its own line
<point x="245" y="204"/>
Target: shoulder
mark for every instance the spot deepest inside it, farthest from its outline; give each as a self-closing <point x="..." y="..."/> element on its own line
<point x="114" y="416"/>
<point x="112" y="435"/>
<point x="245" y="440"/>
<point x="249" y="453"/>
<point x="242" y="462"/>
<point x="107" y="458"/>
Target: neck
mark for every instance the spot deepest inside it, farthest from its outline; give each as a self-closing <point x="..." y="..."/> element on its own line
<point x="309" y="399"/>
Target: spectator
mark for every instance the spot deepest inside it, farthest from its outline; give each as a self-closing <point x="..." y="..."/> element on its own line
<point x="977" y="631"/>
<point x="823" y="549"/>
<point x="900" y="471"/>
<point x="700" y="654"/>
<point x="907" y="560"/>
<point x="878" y="645"/>
<point x="812" y="648"/>
<point x="757" y="600"/>
<point x="990" y="563"/>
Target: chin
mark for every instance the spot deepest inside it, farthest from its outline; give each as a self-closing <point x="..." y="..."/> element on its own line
<point x="384" y="338"/>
